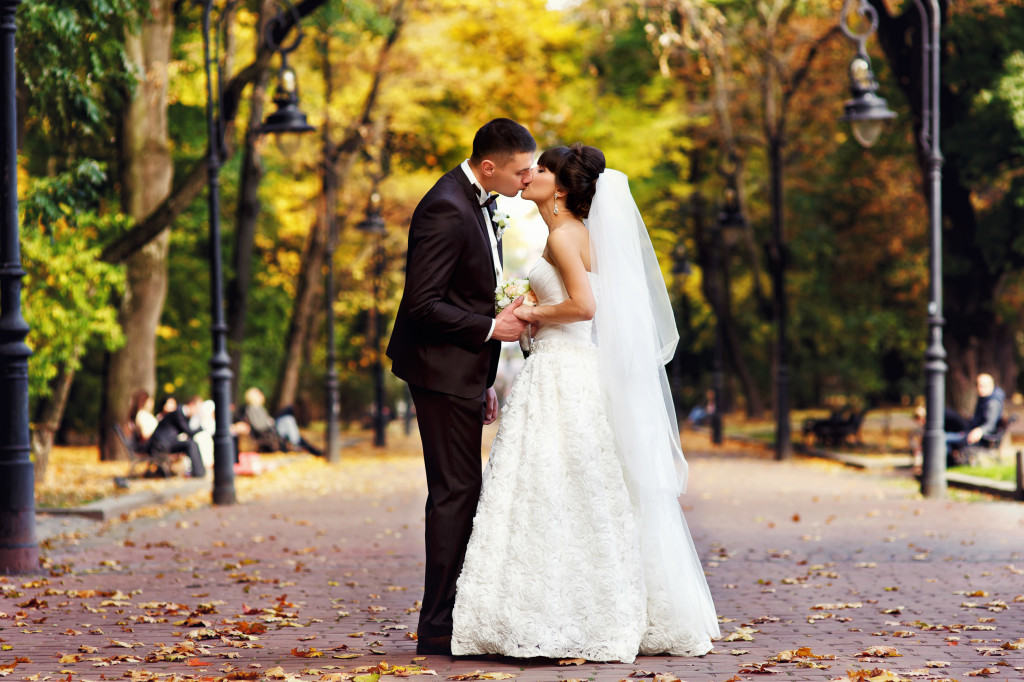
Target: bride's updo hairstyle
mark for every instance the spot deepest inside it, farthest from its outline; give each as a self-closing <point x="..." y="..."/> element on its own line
<point x="576" y="170"/>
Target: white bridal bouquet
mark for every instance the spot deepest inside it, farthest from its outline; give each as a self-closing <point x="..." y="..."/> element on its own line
<point x="506" y="292"/>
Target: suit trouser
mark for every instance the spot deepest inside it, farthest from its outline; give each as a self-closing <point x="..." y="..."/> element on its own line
<point x="450" y="429"/>
<point x="191" y="451"/>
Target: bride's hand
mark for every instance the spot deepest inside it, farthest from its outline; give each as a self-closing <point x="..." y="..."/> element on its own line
<point x="526" y="313"/>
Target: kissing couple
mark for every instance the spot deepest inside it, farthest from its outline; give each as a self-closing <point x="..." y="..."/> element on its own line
<point x="572" y="542"/>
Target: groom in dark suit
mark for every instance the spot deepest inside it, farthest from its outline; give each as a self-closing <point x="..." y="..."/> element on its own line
<point x="445" y="344"/>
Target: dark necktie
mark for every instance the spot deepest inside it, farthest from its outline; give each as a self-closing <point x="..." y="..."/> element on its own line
<point x="489" y="201"/>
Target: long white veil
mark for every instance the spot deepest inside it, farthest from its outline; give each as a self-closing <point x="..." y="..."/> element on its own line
<point x="636" y="336"/>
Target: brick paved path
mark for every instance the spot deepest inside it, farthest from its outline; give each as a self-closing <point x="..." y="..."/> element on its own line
<point x="802" y="554"/>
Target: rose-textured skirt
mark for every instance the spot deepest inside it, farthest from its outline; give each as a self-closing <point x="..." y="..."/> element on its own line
<point x="551" y="568"/>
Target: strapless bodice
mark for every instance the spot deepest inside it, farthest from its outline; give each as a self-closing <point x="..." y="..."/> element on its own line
<point x="547" y="285"/>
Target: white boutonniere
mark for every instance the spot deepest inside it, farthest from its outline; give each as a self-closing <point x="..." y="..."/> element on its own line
<point x="501" y="221"/>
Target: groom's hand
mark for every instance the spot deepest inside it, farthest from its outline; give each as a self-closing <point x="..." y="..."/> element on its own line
<point x="508" y="327"/>
<point x="491" y="412"/>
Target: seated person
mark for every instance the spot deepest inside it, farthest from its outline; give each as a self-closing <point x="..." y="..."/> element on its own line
<point x="701" y="414"/>
<point x="167" y="437"/>
<point x="984" y="424"/>
<point x="288" y="429"/>
<point x="141" y="420"/>
<point x="274" y="435"/>
<point x="261" y="425"/>
<point x="202" y="420"/>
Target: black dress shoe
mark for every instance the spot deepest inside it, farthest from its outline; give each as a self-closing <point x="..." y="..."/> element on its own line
<point x="436" y="646"/>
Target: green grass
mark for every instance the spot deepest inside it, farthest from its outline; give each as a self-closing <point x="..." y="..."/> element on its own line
<point x="1004" y="472"/>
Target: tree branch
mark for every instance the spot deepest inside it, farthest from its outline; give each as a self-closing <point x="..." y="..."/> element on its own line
<point x="354" y="136"/>
<point x="800" y="74"/>
<point x="184" y="193"/>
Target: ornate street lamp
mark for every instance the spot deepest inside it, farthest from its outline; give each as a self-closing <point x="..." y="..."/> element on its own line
<point x="19" y="552"/>
<point x="288" y="118"/>
<point x="373" y="225"/>
<point x="866" y="112"/>
<point x="868" y="117"/>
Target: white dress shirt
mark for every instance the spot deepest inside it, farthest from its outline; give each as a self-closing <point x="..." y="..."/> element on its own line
<point x="482" y="196"/>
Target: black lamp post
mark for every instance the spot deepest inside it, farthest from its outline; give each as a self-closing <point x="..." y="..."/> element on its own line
<point x="730" y="216"/>
<point x="867" y="113"/>
<point x="373" y="224"/>
<point x="333" y="445"/>
<point x="220" y="362"/>
<point x="780" y="311"/>
<point x="19" y="552"/>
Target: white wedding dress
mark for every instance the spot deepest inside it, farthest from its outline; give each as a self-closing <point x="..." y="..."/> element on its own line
<point x="555" y="565"/>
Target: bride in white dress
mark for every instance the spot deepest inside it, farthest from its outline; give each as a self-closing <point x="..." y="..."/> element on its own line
<point x="579" y="547"/>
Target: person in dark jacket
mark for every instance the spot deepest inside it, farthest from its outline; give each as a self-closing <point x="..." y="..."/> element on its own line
<point x="445" y="345"/>
<point x="985" y="422"/>
<point x="167" y="438"/>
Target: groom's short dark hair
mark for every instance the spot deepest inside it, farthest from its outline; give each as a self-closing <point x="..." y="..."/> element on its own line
<point x="499" y="138"/>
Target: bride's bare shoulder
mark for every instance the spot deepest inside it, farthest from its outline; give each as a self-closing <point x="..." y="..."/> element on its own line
<point x="568" y="235"/>
<point x="569" y="242"/>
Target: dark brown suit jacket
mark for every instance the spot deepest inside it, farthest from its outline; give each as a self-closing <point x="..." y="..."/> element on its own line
<point x="448" y="303"/>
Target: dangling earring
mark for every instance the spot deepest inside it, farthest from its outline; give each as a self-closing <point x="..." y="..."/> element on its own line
<point x="556" y="204"/>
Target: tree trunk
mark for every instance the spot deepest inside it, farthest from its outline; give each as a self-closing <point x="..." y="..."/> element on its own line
<point x="722" y="310"/>
<point x="48" y="418"/>
<point x="146" y="178"/>
<point x="245" y="220"/>
<point x="307" y="296"/>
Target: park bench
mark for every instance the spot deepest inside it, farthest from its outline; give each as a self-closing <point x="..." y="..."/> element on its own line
<point x="141" y="460"/>
<point x="837" y="429"/>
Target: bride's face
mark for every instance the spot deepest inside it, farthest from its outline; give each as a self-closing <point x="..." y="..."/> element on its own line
<point x="542" y="188"/>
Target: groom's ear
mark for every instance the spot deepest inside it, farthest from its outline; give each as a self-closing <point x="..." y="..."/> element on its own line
<point x="487" y="167"/>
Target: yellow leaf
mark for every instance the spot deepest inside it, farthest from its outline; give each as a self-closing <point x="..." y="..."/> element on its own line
<point x="739" y="634"/>
<point x="572" y="661"/>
